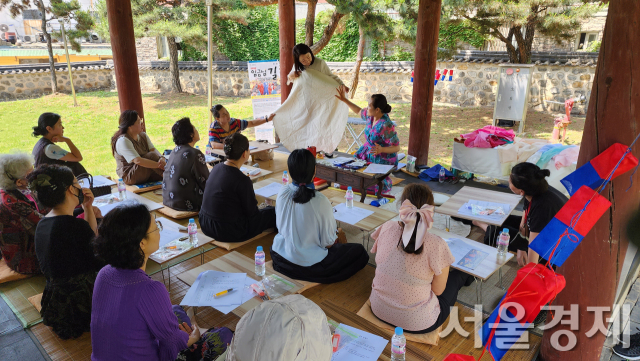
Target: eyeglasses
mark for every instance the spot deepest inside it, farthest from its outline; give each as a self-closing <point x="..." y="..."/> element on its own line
<point x="159" y="225"/>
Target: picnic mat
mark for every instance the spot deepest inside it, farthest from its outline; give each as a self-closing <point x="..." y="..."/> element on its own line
<point x="430" y="338"/>
<point x="234" y="245"/>
<point x="395" y="181"/>
<point x="306" y="285"/>
<point x="16" y="294"/>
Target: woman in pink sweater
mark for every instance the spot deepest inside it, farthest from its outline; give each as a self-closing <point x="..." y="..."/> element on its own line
<point x="413" y="287"/>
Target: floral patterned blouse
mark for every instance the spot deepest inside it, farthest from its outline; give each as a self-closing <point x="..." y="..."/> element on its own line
<point x="184" y="179"/>
<point x="383" y="132"/>
<point x="19" y="217"/>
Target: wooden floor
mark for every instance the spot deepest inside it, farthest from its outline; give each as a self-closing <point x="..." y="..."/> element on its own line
<point x="343" y="299"/>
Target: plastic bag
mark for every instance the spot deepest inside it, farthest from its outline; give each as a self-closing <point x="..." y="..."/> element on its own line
<point x="486" y="211"/>
<point x="276" y="286"/>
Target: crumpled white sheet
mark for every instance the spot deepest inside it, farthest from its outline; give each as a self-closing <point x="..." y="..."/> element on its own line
<point x="312" y="115"/>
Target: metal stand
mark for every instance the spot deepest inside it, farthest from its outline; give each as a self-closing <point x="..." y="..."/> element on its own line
<point x="479" y="291"/>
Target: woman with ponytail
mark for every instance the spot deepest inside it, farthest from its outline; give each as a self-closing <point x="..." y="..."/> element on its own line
<point x="413" y="287"/>
<point x="382" y="144"/>
<point x="541" y="203"/>
<point x="308" y="246"/>
<point x="230" y="210"/>
<point x="137" y="159"/>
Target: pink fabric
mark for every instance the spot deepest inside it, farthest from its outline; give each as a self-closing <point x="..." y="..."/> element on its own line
<point x="488" y="137"/>
<point x="408" y="215"/>
<point x="566" y="157"/>
<point x="401" y="290"/>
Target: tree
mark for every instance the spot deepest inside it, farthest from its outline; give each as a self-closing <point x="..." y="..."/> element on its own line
<point x="70" y="12"/>
<point x="521" y="20"/>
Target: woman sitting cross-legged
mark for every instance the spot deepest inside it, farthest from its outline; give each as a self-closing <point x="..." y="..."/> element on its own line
<point x="229" y="209"/>
<point x="186" y="173"/>
<point x="306" y="247"/>
<point x="132" y="317"/>
<point x="137" y="159"/>
<point x="46" y="151"/>
<point x="413" y="287"/>
<point x="63" y="247"/>
<point x="19" y="214"/>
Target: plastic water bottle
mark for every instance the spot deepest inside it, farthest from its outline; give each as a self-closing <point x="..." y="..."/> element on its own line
<point x="503" y="242"/>
<point x="398" y="345"/>
<point x="260" y="269"/>
<point x="441" y="176"/>
<point x="285" y="178"/>
<point x="336" y="185"/>
<point x="379" y="202"/>
<point x="122" y="190"/>
<point x="349" y="197"/>
<point x="207" y="150"/>
<point x="192" y="228"/>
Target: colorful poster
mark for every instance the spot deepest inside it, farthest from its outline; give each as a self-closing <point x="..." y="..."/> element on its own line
<point x="264" y="79"/>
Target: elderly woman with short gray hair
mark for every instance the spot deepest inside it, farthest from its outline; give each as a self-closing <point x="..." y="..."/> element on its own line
<point x="19" y="214"/>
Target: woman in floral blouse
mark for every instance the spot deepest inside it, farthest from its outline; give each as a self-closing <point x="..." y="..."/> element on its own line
<point x="382" y="144"/>
<point x="186" y="172"/>
<point x="19" y="214"/>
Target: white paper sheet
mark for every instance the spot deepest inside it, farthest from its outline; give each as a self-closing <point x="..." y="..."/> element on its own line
<point x="214" y="281"/>
<point x="366" y="347"/>
<point x="247" y="294"/>
<point x="458" y="248"/>
<point x="168" y="235"/>
<point x="210" y="158"/>
<point x="252" y="147"/>
<point x="107" y="202"/>
<point x="378" y="168"/>
<point x="98" y="181"/>
<point x="350" y="215"/>
<point x="341" y="160"/>
<point x="269" y="190"/>
<point x="401" y="165"/>
<point x="192" y="296"/>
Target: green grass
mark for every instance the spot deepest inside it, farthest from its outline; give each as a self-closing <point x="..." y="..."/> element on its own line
<point x="93" y="122"/>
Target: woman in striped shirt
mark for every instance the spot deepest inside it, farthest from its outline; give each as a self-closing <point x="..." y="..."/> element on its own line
<point x="223" y="125"/>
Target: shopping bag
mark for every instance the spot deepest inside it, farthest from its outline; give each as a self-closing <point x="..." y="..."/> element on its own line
<point x="570" y="225"/>
<point x="534" y="286"/>
<point x="594" y="173"/>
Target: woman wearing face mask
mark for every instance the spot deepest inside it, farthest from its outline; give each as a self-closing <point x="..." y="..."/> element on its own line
<point x="304" y="59"/>
<point x="137" y="158"/>
<point x="63" y="247"/>
<point x="19" y="214"/>
<point x="46" y="151"/>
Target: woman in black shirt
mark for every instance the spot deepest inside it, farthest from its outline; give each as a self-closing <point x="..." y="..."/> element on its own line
<point x="186" y="172"/>
<point x="229" y="209"/>
<point x="64" y="250"/>
<point x="541" y="203"/>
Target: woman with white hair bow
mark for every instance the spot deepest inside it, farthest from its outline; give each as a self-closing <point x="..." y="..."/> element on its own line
<point x="413" y="287"/>
<point x="19" y="214"/>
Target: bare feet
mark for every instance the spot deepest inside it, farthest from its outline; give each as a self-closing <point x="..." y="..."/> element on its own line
<point x="481" y="225"/>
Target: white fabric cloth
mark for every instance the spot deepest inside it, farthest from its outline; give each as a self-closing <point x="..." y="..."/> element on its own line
<point x="125" y="148"/>
<point x="312" y="115"/>
<point x="321" y="66"/>
<point x="304" y="230"/>
<point x="54" y="151"/>
<point x="290" y="328"/>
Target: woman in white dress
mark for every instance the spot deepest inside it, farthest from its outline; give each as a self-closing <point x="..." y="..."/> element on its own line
<point x="303" y="59"/>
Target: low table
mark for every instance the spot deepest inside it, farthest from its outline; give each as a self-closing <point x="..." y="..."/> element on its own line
<point x="371" y="222"/>
<point x="264" y="183"/>
<point x="356" y="179"/>
<point x="453" y="204"/>
<point x="204" y="245"/>
<point x="236" y="262"/>
<point x="260" y="147"/>
<point x="486" y="268"/>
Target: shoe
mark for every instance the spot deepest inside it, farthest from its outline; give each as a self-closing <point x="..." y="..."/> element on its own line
<point x="631" y="351"/>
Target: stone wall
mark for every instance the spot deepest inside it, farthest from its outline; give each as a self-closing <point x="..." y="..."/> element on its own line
<point x="14" y="85"/>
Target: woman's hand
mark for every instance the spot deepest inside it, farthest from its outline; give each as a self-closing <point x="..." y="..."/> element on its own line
<point x="342" y="94"/>
<point x="271" y="116"/>
<point x="97" y="212"/>
<point x="522" y="258"/>
<point x="377" y="149"/>
<point x="194" y="334"/>
<point x="87" y="203"/>
<point x="293" y="76"/>
<point x="344" y="88"/>
<point x="60" y="138"/>
<point x="162" y="162"/>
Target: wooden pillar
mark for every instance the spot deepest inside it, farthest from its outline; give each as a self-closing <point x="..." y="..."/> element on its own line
<point x="423" y="75"/>
<point x="593" y="270"/>
<point x="125" y="62"/>
<point x="287" y="25"/>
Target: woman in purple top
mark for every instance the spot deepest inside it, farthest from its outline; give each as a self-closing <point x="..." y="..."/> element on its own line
<point x="132" y="317"/>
